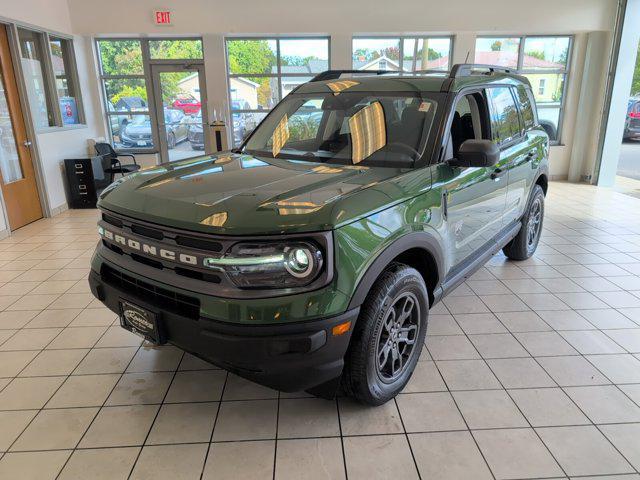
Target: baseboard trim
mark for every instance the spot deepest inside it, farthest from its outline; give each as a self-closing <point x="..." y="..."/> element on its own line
<point x="558" y="178"/>
<point x="59" y="209"/>
<point x="5" y="233"/>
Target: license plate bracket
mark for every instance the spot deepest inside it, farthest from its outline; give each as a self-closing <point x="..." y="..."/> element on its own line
<point x="141" y="321"/>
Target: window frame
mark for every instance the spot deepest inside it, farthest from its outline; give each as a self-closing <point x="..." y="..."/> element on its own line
<point x="278" y="75"/>
<point x="51" y="90"/>
<point x="566" y="72"/>
<point x="401" y="39"/>
<point x="147" y="61"/>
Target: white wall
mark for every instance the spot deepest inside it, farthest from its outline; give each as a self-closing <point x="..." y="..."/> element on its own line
<point x="49" y="14"/>
<point x="343" y="16"/>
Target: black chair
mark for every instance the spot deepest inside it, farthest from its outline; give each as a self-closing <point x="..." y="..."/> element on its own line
<point x="107" y="152"/>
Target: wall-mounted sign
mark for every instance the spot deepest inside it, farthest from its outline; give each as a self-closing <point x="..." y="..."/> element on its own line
<point x="162" y="17"/>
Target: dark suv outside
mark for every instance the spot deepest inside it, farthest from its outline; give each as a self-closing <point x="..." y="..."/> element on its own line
<point x="308" y="259"/>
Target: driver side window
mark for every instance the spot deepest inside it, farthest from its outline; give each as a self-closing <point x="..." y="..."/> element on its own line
<point x="468" y="123"/>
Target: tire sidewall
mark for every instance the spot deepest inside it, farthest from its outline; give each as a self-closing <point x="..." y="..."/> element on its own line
<point x="412" y="282"/>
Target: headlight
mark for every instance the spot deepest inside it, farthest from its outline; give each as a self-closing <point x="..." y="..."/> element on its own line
<point x="270" y="265"/>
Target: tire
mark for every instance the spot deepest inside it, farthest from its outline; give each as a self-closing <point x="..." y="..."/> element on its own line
<point x="398" y="288"/>
<point x="524" y="244"/>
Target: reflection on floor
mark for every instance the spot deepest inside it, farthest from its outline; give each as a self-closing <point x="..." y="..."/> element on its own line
<point x="530" y="370"/>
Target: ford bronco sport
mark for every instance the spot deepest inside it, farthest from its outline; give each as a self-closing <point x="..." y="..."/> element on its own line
<point x="308" y="258"/>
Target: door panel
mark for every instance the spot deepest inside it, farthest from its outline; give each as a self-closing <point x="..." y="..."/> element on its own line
<point x="475" y="204"/>
<point x="519" y="173"/>
<point x="181" y="110"/>
<point x="19" y="187"/>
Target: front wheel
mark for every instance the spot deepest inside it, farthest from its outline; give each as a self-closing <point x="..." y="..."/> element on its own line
<point x="524" y="244"/>
<point x="388" y="336"/>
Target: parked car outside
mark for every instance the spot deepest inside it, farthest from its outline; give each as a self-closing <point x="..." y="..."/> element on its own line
<point x="188" y="104"/>
<point x="137" y="133"/>
<point x="196" y="133"/>
<point x="632" y="122"/>
<point x="309" y="257"/>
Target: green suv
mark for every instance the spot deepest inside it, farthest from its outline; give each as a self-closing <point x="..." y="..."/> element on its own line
<point x="308" y="258"/>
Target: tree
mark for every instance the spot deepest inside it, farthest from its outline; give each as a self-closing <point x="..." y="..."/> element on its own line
<point x="253" y="56"/>
<point x="250" y="56"/>
<point x="536" y="54"/>
<point x="635" y="85"/>
<point x="496" y="46"/>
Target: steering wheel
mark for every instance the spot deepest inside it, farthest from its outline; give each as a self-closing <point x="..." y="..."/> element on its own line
<point x="404" y="147"/>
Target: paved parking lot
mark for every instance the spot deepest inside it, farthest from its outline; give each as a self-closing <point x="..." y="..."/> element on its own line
<point x="530" y="370"/>
<point x="629" y="163"/>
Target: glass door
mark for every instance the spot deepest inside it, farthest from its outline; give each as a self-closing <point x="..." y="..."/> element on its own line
<point x="181" y="110"/>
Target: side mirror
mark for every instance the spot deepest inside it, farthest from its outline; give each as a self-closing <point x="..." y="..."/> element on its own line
<point x="476" y="153"/>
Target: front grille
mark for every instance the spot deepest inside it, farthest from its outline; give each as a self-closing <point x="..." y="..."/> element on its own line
<point x="199" y="243"/>
<point x="147" y="232"/>
<point x="157" y="297"/>
<point x="116" y="222"/>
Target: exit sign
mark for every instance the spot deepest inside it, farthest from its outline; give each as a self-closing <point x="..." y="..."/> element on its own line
<point x="162" y="17"/>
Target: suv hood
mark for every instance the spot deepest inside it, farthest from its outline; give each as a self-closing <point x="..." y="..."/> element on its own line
<point x="241" y="194"/>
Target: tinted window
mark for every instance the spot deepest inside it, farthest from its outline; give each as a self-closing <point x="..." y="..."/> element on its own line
<point x="505" y="122"/>
<point x="526" y="107"/>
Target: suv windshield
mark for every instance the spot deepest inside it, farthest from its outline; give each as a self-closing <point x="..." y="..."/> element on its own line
<point x="347" y="128"/>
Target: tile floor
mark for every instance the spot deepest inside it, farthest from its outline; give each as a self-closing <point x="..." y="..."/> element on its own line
<point x="531" y="370"/>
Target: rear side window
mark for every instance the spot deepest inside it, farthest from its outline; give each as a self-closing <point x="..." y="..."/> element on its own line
<point x="526" y="108"/>
<point x="505" y="121"/>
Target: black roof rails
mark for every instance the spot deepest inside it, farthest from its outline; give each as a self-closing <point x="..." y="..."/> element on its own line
<point x="465" y="69"/>
<point x="430" y="70"/>
<point x="335" y="74"/>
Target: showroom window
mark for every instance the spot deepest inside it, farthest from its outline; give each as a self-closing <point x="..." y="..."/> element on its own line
<point x="417" y="53"/>
<point x="124" y="87"/>
<point x="51" y="79"/>
<point x="261" y="71"/>
<point x="125" y="76"/>
<point x="544" y="60"/>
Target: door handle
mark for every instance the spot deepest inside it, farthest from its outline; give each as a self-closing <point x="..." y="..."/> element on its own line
<point x="26" y="143"/>
<point x="497" y="173"/>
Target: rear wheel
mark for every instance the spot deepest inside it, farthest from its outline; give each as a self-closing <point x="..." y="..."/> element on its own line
<point x="524" y="244"/>
<point x="388" y="336"/>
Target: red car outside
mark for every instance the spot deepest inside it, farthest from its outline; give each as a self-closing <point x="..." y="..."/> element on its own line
<point x="189" y="105"/>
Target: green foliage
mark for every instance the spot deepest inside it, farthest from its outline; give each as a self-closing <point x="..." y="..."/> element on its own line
<point x="496" y="46"/>
<point x="175" y="49"/>
<point x="302" y="127"/>
<point x="297" y="61"/>
<point x="250" y="56"/>
<point x="121" y="57"/>
<point x="536" y="54"/>
<point x="129" y="91"/>
<point x="124" y="57"/>
<point x="635" y="85"/>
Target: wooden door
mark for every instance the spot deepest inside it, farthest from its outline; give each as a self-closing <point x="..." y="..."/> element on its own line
<point x="17" y="176"/>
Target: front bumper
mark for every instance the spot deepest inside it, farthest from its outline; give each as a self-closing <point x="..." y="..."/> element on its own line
<point x="287" y="357"/>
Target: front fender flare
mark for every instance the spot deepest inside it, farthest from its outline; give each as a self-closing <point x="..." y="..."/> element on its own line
<point x="422" y="240"/>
